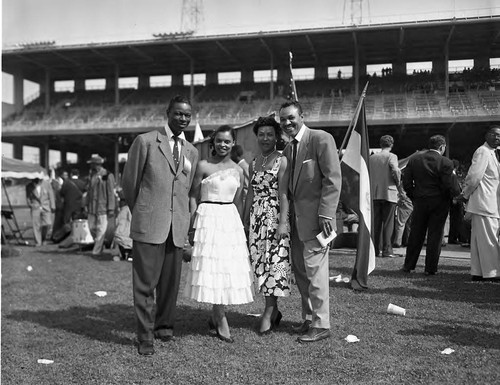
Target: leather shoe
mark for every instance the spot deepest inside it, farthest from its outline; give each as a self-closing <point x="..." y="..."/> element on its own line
<point x="165" y="338"/>
<point x="314" y="334"/>
<point x="303" y="327"/>
<point x="405" y="270"/>
<point x="430" y="273"/>
<point x="146" y="348"/>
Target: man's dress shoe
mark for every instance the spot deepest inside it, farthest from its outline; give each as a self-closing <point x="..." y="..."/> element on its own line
<point x="146" y="348"/>
<point x="165" y="338"/>
<point x="314" y="334"/>
<point x="303" y="327"/>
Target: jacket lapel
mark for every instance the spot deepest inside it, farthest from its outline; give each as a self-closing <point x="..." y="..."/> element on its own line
<point x="165" y="149"/>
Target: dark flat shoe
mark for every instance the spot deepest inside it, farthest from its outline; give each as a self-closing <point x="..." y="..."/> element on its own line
<point x="277" y="319"/>
<point x="229" y="340"/>
<point x="146" y="348"/>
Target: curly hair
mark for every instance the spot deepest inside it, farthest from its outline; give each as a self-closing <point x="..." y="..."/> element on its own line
<point x="223" y="128"/>
<point x="270" y="121"/>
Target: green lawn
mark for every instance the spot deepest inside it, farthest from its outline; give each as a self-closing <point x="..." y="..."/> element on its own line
<point x="52" y="312"/>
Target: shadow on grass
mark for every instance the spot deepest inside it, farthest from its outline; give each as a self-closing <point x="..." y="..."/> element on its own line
<point x="459" y="335"/>
<point x="104" y="323"/>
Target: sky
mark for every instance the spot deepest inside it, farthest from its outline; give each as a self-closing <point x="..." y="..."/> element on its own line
<point x="84" y="21"/>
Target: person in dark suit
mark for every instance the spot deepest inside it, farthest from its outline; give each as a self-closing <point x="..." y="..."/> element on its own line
<point x="385" y="178"/>
<point x="314" y="191"/>
<point x="156" y="182"/>
<point x="428" y="180"/>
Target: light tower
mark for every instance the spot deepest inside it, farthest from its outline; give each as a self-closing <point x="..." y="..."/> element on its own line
<point x="191" y="16"/>
<point x="356" y="8"/>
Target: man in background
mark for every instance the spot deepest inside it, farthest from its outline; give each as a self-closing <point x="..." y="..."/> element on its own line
<point x="237" y="157"/>
<point x="428" y="180"/>
<point x="41" y="201"/>
<point x="483" y="194"/>
<point x="385" y="178"/>
<point x="100" y="201"/>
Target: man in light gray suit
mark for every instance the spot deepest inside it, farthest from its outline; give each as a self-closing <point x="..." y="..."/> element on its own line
<point x="314" y="191"/>
<point x="156" y="182"/>
<point x="385" y="179"/>
<point x="482" y="190"/>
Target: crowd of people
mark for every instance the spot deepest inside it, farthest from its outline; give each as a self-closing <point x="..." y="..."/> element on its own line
<point x="254" y="225"/>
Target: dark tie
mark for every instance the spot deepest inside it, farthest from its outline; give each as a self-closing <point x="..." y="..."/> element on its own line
<point x="497" y="153"/>
<point x="175" y="152"/>
<point x="294" y="158"/>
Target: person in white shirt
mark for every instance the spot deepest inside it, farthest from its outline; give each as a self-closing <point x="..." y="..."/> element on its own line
<point x="483" y="194"/>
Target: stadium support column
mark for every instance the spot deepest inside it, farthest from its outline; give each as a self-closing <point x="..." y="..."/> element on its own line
<point x="271" y="60"/>
<point x="46" y="90"/>
<point x="191" y="87"/>
<point x="116" y="153"/>
<point x="356" y="64"/>
<point x="116" y="85"/>
<point x="18" y="92"/>
<point x="44" y="154"/>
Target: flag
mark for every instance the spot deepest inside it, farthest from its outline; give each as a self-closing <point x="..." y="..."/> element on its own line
<point x="356" y="195"/>
<point x="198" y="134"/>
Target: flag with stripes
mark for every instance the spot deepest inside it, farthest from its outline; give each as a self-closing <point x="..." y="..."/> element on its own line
<point x="356" y="195"/>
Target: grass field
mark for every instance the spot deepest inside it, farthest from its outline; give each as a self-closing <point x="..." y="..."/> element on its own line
<point x="51" y="312"/>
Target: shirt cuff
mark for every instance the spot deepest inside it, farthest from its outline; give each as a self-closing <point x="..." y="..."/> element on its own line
<point x="324" y="216"/>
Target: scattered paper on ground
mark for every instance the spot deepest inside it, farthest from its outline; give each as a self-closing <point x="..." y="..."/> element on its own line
<point x="44" y="361"/>
<point x="101" y="293"/>
<point x="447" y="351"/>
<point x="336" y="278"/>
<point x="351" y="338"/>
<point x="29" y="268"/>
<point x="346" y="279"/>
<point x="254" y="315"/>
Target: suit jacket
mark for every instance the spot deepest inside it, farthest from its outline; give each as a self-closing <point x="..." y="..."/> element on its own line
<point x="482" y="183"/>
<point x="385" y="176"/>
<point x="245" y="167"/>
<point x="315" y="190"/>
<point x="428" y="174"/>
<point x="45" y="200"/>
<point x="156" y="192"/>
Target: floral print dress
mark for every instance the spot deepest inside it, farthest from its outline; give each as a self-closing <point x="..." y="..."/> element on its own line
<point x="270" y="257"/>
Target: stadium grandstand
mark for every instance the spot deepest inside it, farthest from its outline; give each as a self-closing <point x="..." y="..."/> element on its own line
<point x="232" y="79"/>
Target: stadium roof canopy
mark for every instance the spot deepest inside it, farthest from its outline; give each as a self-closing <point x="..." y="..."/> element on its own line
<point x="465" y="38"/>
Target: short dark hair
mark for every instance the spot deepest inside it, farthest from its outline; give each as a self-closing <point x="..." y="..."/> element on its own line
<point x="436" y="141"/>
<point x="293" y="103"/>
<point x="492" y="128"/>
<point x="75" y="172"/>
<point x="386" y="141"/>
<point x="223" y="128"/>
<point x="177" y="99"/>
<point x="267" y="121"/>
<point x="237" y="150"/>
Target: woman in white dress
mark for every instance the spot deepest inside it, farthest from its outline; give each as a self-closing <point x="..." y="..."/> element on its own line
<point x="219" y="272"/>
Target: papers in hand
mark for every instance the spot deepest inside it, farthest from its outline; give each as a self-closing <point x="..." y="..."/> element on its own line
<point x="323" y="240"/>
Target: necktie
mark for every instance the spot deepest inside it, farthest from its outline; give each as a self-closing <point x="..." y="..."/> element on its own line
<point x="175" y="152"/>
<point x="294" y="158"/>
<point x="497" y="153"/>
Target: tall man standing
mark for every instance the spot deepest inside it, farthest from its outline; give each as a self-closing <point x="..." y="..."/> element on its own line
<point x="428" y="181"/>
<point x="156" y="182"/>
<point x="385" y="181"/>
<point x="483" y="192"/>
<point x="314" y="190"/>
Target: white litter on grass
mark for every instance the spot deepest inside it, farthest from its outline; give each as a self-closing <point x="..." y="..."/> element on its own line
<point x="336" y="278"/>
<point x="351" y="338"/>
<point x="346" y="279"/>
<point x="256" y="315"/>
<point x="29" y="268"/>
<point x="447" y="351"/>
<point x="101" y="293"/>
<point x="44" y="361"/>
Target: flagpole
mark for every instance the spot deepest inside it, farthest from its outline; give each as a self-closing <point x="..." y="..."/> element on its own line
<point x="354" y="119"/>
<point x="294" y="89"/>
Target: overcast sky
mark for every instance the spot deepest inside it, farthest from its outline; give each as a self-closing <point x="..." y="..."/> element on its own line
<point x="85" y="21"/>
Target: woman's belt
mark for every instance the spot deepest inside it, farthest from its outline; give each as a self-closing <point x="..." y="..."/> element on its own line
<point x="217" y="203"/>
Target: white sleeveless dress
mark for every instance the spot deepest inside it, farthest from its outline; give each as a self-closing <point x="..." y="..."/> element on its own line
<point x="219" y="271"/>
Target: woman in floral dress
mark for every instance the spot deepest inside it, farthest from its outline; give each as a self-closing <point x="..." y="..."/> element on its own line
<point x="266" y="214"/>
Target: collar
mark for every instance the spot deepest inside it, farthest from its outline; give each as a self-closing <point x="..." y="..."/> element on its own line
<point x="300" y="134"/>
<point x="432" y="149"/>
<point x="241" y="161"/>
<point x="170" y="134"/>
<point x="489" y="147"/>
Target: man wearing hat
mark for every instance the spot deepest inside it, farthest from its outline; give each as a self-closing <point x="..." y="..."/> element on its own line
<point x="100" y="201"/>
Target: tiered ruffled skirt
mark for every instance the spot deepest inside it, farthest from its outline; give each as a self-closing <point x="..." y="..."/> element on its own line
<point x="219" y="271"/>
